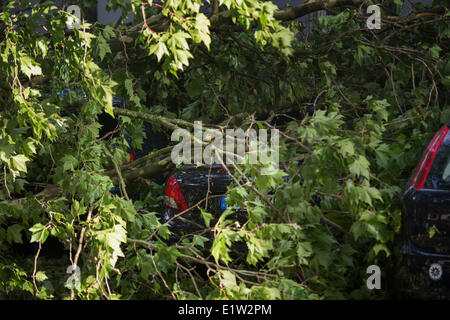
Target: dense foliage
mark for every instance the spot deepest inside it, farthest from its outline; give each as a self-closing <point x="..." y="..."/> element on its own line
<point x="366" y="102"/>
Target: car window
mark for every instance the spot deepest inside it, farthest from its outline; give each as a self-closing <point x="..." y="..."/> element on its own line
<point x="440" y="169"/>
<point x="446" y="174"/>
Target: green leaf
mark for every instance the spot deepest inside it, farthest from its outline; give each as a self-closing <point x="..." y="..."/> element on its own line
<point x="114" y="239"/>
<point x="129" y="87"/>
<point x="381" y="247"/>
<point x="128" y="211"/>
<point x="42" y="47"/>
<point x="268" y="293"/>
<point x="29" y="66"/>
<point x="346" y="147"/>
<point x="206" y="216"/>
<point x="304" y="250"/>
<point x="360" y="167"/>
<point x="201" y="30"/>
<point x="228" y="279"/>
<point x="36" y="232"/>
<point x="164" y="231"/>
<point x="41" y="276"/>
<point x="199" y="240"/>
<point x="69" y="162"/>
<point x="358" y="229"/>
<point x="103" y="48"/>
<point x="19" y="162"/>
<point x="435" y="51"/>
<point x="179" y="38"/>
<point x="13" y="234"/>
<point x="151" y="220"/>
<point x="159" y="49"/>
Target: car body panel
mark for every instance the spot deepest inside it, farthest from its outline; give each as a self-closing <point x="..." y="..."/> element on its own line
<point x="204" y="186"/>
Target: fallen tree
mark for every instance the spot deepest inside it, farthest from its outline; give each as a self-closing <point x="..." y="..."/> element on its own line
<point x="355" y="107"/>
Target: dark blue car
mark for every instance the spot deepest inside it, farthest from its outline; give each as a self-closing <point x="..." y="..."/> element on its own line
<point x="425" y="250"/>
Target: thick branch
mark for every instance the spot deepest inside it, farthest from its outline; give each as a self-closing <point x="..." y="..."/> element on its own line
<point x="167" y="122"/>
<point x="145" y="159"/>
<point x="312" y="6"/>
<point x="160" y="22"/>
<point x="50" y="191"/>
<point x="53" y="191"/>
<point x="145" y="172"/>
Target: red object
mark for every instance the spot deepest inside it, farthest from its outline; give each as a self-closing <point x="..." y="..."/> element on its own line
<point x="423" y="168"/>
<point x="223" y="170"/>
<point x="174" y="198"/>
<point x="132" y="157"/>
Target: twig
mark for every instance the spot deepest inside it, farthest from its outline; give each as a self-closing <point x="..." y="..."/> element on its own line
<point x="80" y="246"/>
<point x="162" y="278"/>
<point x="119" y="173"/>
<point x="48" y="225"/>
<point x="145" y="20"/>
<point x="6" y="183"/>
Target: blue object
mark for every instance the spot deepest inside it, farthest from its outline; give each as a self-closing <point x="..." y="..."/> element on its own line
<point x="114" y="190"/>
<point x="223" y="206"/>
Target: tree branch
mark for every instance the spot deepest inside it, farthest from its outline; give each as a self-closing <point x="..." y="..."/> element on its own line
<point x="160" y="22"/>
<point x="312" y="6"/>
